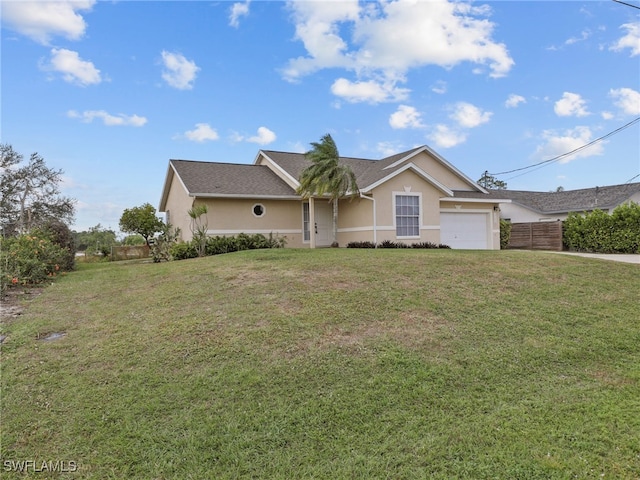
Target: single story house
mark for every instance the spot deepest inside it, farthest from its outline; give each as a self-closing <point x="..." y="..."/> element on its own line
<point x="555" y="206"/>
<point x="413" y="196"/>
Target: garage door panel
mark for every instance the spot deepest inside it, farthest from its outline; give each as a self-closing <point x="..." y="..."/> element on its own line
<point x="464" y="230"/>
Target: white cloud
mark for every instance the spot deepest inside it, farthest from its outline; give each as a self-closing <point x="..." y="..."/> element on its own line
<point x="40" y="21"/>
<point x="73" y="68"/>
<point x="606" y="115"/>
<point x="558" y="144"/>
<point x="386" y="149"/>
<point x="584" y="35"/>
<point x="107" y="119"/>
<point x="627" y="99"/>
<point x="389" y="38"/>
<point x="440" y="87"/>
<point x="445" y="137"/>
<point x="238" y="10"/>
<point x="317" y="27"/>
<point x="631" y="40"/>
<point x="179" y="72"/>
<point x="405" y="117"/>
<point x="368" y="91"/>
<point x="571" y="105"/>
<point x="469" y="116"/>
<point x="264" y="137"/>
<point x="514" y="100"/>
<point x="202" y="133"/>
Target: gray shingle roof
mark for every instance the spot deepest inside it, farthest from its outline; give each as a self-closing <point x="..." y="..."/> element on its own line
<point x="585" y="199"/>
<point x="367" y="171"/>
<point x="210" y="178"/>
<point x="230" y="179"/>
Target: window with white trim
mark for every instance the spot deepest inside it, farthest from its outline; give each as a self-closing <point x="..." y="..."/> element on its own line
<point x="407" y="215"/>
<point x="306" y="233"/>
<point x="258" y="210"/>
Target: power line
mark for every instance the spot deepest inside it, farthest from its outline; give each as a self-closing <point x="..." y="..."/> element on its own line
<point x="593" y="142"/>
<point x="627" y="4"/>
<point x="632" y="179"/>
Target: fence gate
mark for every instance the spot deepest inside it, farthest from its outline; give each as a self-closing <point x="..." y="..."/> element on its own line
<point x="536" y="236"/>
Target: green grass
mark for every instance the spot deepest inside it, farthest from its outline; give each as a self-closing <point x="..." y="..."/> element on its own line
<point x="333" y="364"/>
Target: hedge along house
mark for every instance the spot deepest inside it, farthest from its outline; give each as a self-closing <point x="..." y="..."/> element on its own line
<point x="410" y="197"/>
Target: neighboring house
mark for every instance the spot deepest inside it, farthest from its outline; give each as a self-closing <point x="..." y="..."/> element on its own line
<point x="414" y="196"/>
<point x="554" y="206"/>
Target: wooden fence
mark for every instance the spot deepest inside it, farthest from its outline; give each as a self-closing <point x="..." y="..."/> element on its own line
<point x="536" y="236"/>
<point x="129" y="252"/>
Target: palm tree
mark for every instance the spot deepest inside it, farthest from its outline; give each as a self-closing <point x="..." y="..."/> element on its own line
<point x="326" y="175"/>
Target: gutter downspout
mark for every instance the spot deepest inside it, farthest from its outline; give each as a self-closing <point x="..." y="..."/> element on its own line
<point x="375" y="226"/>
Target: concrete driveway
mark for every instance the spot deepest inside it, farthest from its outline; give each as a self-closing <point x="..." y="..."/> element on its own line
<point x="615" y="257"/>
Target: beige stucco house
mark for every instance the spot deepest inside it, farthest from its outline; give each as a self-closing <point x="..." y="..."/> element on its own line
<point x="410" y="197"/>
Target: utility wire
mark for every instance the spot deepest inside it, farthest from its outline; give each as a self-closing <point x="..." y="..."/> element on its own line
<point x="627" y="4"/>
<point x="632" y="179"/>
<point x="593" y="142"/>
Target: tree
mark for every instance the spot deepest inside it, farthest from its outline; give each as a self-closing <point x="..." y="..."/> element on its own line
<point x="491" y="182"/>
<point x="141" y="220"/>
<point x="326" y="175"/>
<point x="30" y="194"/>
<point x="199" y="227"/>
<point x="96" y="239"/>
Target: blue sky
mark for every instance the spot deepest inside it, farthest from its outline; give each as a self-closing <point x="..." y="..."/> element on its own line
<point x="110" y="91"/>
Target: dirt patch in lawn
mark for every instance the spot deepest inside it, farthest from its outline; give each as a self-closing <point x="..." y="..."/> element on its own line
<point x="14" y="301"/>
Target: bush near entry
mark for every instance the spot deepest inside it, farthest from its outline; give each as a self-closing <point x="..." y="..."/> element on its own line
<point x="598" y="232"/>
<point x="219" y="245"/>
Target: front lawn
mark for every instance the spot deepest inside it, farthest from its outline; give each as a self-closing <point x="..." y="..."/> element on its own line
<point x="334" y="363"/>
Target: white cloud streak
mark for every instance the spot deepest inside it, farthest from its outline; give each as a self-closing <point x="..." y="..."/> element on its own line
<point x="264" y="137"/>
<point x="239" y="9"/>
<point x="178" y="72"/>
<point x="631" y="40"/>
<point x="445" y="137"/>
<point x="369" y="91"/>
<point x="390" y="38"/>
<point x="41" y="21"/>
<point x="108" y="119"/>
<point x="202" y="133"/>
<point x="469" y="116"/>
<point x="73" y="68"/>
<point x="627" y="100"/>
<point x="571" y="105"/>
<point x="514" y="100"/>
<point x="560" y="143"/>
<point x="405" y="117"/>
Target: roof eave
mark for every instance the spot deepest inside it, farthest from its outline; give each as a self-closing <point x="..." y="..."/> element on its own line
<point x="246" y="196"/>
<point x="474" y="200"/>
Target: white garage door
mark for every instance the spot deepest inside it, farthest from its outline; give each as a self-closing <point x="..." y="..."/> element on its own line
<point x="468" y="231"/>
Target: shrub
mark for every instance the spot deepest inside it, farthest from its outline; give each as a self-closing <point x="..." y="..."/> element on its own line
<point x="602" y="233"/>
<point x="183" y="251"/>
<point x="505" y="233"/>
<point x="387" y="244"/>
<point x="361" y="245"/>
<point x="424" y="245"/>
<point x="30" y="259"/>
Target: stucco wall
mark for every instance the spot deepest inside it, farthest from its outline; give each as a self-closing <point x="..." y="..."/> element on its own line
<point x="228" y="217"/>
<point x="177" y="205"/>
<point x="440" y="172"/>
<point x="355" y="219"/>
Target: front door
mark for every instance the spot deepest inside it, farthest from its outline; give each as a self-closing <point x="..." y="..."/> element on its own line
<point x="324" y="224"/>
